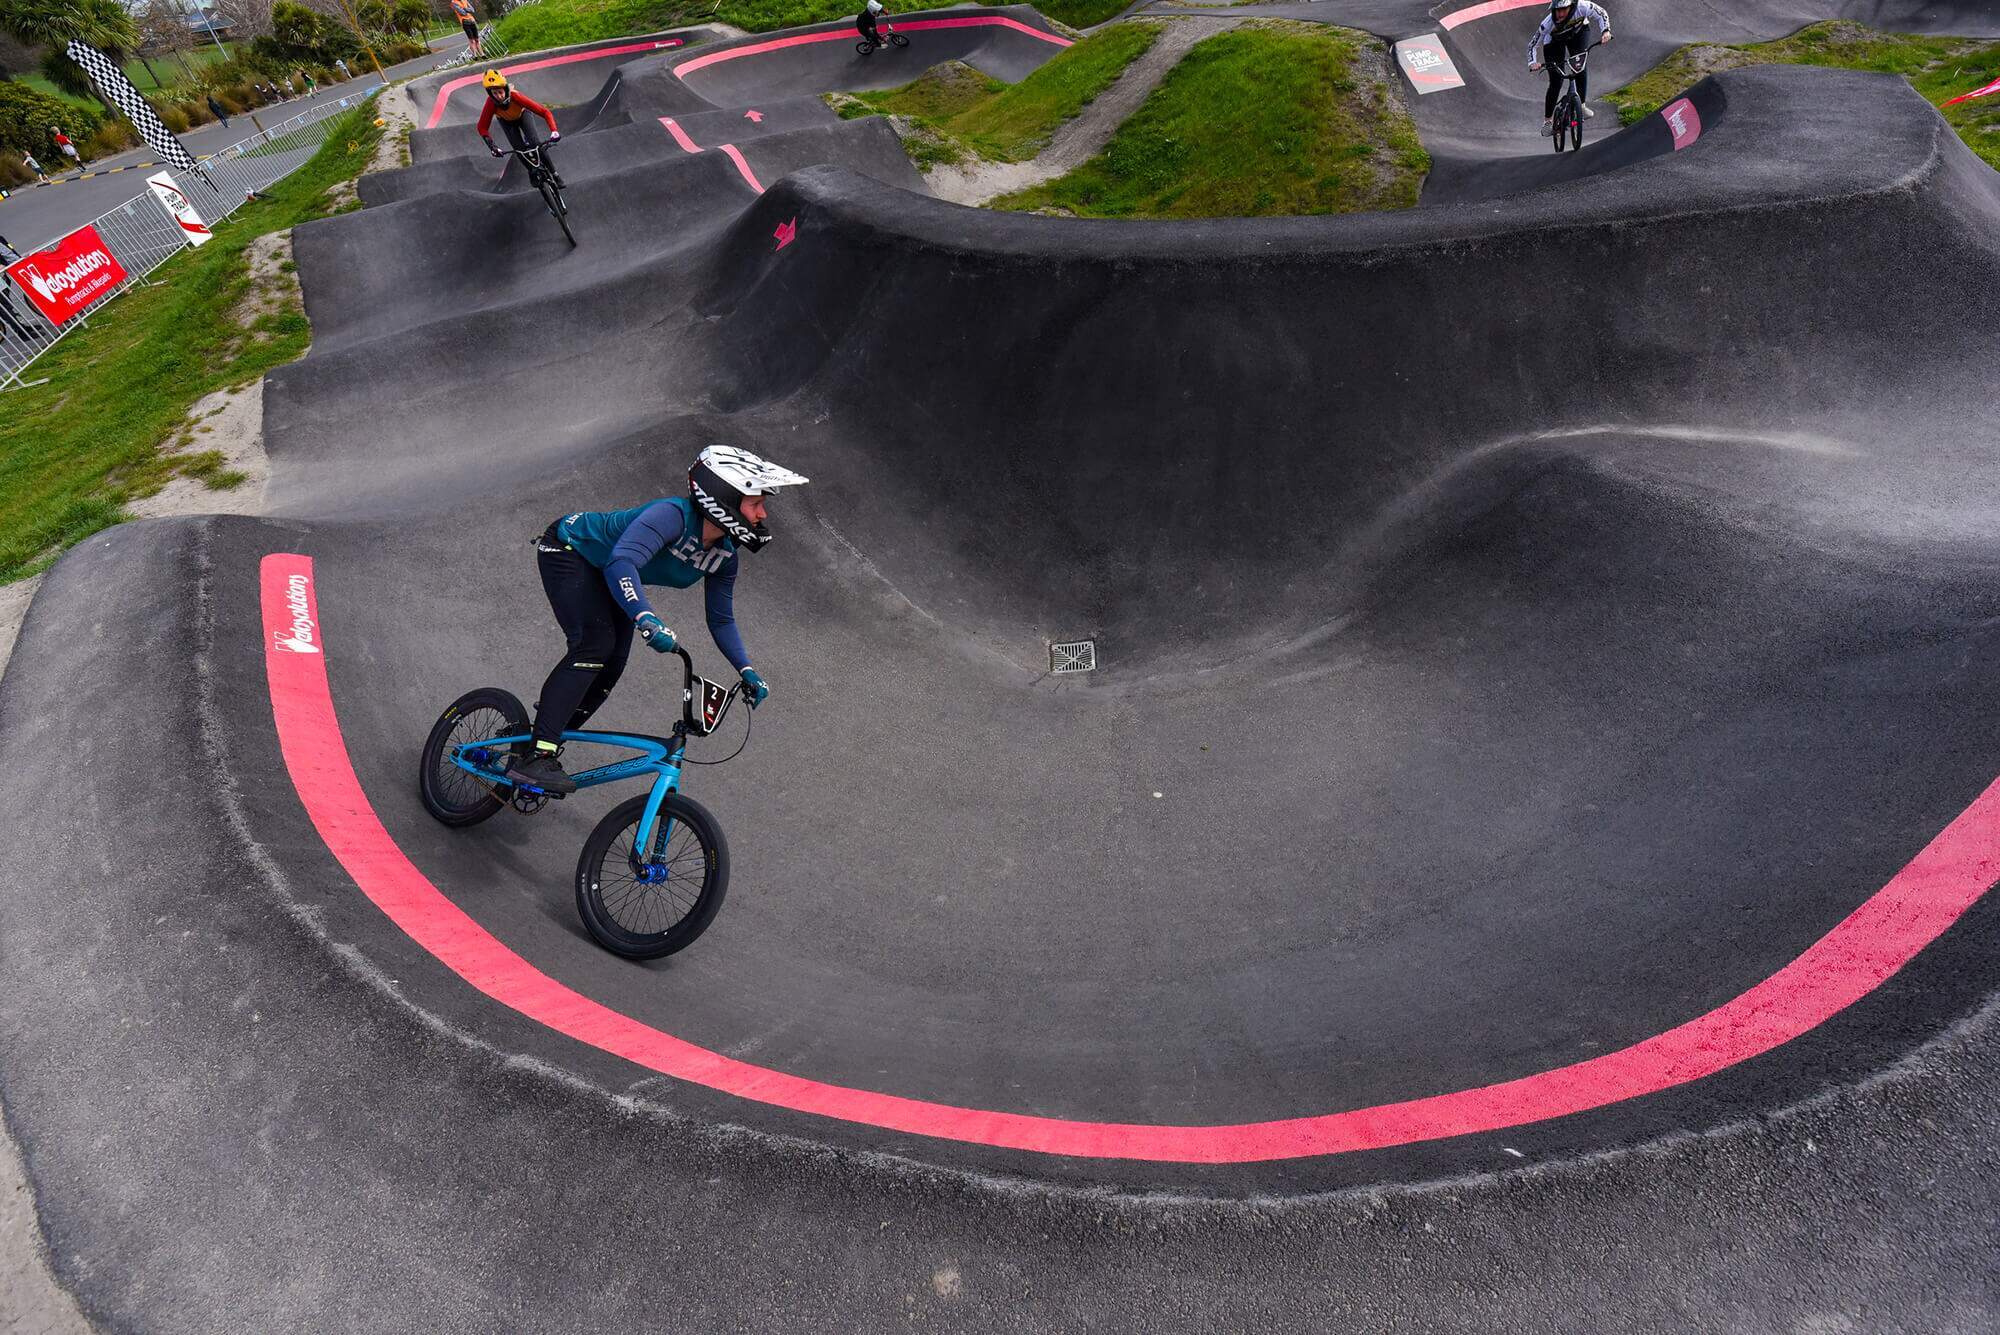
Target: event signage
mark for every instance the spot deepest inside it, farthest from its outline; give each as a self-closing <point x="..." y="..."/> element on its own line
<point x="193" y="229"/>
<point x="1428" y="64"/>
<point x="1683" y="121"/>
<point x="69" y="277"/>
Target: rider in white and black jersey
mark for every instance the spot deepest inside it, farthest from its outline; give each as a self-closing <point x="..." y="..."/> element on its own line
<point x="1565" y="32"/>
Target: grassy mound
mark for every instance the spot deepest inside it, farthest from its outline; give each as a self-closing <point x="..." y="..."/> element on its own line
<point x="967" y="111"/>
<point x="563" y="22"/>
<point x="74" y="450"/>
<point x="1273" y="118"/>
<point x="1940" y="68"/>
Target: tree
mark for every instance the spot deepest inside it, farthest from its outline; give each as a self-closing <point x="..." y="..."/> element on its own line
<point x="374" y="15"/>
<point x="295" y="27"/>
<point x="163" y="30"/>
<point x="247" y="18"/>
<point x="54" y="24"/>
<point x="412" y="17"/>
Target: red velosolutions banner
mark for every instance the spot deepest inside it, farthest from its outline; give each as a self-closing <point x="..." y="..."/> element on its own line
<point x="69" y="277"/>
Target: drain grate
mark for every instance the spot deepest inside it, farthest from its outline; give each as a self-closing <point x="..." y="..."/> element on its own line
<point x="1073" y="656"/>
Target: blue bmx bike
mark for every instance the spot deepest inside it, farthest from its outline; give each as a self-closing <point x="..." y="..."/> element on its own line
<point x="654" y="871"/>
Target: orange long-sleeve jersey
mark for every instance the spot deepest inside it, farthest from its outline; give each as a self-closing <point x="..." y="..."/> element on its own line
<point x="517" y="106"/>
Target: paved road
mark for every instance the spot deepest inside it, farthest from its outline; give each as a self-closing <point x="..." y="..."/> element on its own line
<point x="35" y="215"/>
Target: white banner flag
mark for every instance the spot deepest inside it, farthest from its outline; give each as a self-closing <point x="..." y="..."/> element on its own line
<point x="176" y="203"/>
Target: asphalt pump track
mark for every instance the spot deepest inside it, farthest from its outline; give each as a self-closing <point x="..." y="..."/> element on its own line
<point x="1543" y="705"/>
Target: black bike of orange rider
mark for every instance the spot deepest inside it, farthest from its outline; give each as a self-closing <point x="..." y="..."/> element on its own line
<point x="512" y="108"/>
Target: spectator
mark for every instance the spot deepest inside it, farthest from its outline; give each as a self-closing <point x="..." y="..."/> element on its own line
<point x="28" y="161"/>
<point x="288" y="86"/>
<point x="311" y="85"/>
<point x="470" y="22"/>
<point x="31" y="331"/>
<point x="341" y="65"/>
<point x="63" y="144"/>
<point x="220" y="114"/>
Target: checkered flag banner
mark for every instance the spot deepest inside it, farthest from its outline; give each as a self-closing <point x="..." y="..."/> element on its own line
<point x="119" y="92"/>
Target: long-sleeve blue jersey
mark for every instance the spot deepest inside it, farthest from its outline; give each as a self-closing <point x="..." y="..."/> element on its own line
<point x="660" y="544"/>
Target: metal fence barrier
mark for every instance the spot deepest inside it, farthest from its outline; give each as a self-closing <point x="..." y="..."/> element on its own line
<point x="142" y="235"/>
<point x="490" y="48"/>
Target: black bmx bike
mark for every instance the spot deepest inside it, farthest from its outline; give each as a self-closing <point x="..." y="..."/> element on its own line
<point x="543" y="178"/>
<point x="885" y="36"/>
<point x="1567" y="123"/>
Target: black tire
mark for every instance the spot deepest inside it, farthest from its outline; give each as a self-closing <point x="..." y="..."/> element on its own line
<point x="1561" y="135"/>
<point x="552" y="197"/>
<point x="452" y="796"/>
<point x="865" y="47"/>
<point x="643" y="921"/>
<point x="898" y="40"/>
<point x="1576" y="129"/>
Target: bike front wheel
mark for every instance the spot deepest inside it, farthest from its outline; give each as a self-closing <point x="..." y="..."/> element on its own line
<point x="897" y="39"/>
<point x="643" y="904"/>
<point x="455" y="796"/>
<point x="558" y="210"/>
<point x="1576" y="130"/>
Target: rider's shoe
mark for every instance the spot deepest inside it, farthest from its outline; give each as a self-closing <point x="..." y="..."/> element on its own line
<point x="1548" y="125"/>
<point x="541" y="770"/>
<point x="1587" y="111"/>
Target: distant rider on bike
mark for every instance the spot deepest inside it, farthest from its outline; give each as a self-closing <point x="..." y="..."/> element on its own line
<point x="1561" y="36"/>
<point x="595" y="566"/>
<point x="864" y="22"/>
<point x="512" y="108"/>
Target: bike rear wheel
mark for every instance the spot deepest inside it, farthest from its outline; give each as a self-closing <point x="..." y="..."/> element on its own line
<point x="452" y="795"/>
<point x="558" y="210"/>
<point x="645" y="906"/>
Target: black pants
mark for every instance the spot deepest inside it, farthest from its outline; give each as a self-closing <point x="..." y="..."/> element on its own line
<point x="1553" y="55"/>
<point x="599" y="635"/>
<point x="522" y="137"/>
<point x="865" y="25"/>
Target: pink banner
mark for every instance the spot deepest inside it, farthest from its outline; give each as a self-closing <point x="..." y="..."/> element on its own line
<point x="1990" y="88"/>
<point x="1684" y="121"/>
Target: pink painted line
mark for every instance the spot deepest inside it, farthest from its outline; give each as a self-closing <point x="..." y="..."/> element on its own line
<point x="444" y="93"/>
<point x="1927" y="896"/>
<point x="687" y="67"/>
<point x="1987" y="91"/>
<point x="1487" y="10"/>
<point x="736" y="156"/>
<point x="680" y="136"/>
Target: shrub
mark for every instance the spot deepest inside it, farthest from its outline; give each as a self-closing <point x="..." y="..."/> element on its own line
<point x="173" y="116"/>
<point x="26" y="115"/>
<point x="109" y="139"/>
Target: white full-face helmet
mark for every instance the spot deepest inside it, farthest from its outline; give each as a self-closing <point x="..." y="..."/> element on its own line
<point x="722" y="476"/>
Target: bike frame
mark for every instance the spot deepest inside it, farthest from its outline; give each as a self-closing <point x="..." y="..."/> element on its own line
<point x="658" y="756"/>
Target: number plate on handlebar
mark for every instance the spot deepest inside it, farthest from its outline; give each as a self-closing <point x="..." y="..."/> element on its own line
<point x="714" y="699"/>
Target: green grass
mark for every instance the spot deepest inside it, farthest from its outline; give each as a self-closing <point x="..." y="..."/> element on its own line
<point x="1271" y="118"/>
<point x="1939" y="68"/>
<point x="168" y="68"/>
<point x="565" y="22"/>
<point x="1009" y="122"/>
<point x="74" y="451"/>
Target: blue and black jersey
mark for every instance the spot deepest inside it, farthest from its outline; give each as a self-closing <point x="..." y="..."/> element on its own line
<point x="660" y="544"/>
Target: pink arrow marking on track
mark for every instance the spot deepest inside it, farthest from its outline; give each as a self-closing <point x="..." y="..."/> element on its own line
<point x="754" y="116"/>
<point x="786" y="231"/>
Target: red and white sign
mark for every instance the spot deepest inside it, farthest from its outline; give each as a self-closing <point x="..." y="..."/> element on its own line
<point x="1684" y="121"/>
<point x="176" y="203"/>
<point x="1428" y="64"/>
<point x="69" y="277"/>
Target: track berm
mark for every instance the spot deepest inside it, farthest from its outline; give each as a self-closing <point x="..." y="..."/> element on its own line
<point x="1545" y="706"/>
